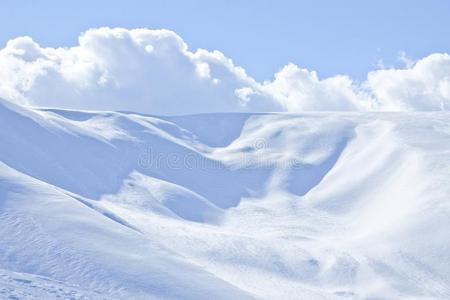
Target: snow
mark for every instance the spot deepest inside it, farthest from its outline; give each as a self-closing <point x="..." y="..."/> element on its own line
<point x="117" y="205"/>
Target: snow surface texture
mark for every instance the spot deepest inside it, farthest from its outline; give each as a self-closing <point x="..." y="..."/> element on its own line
<point x="102" y="205"/>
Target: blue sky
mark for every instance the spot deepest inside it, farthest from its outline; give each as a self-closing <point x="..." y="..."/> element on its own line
<point x="331" y="37"/>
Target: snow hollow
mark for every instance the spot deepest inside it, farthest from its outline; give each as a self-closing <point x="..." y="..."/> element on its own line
<point x="109" y="205"/>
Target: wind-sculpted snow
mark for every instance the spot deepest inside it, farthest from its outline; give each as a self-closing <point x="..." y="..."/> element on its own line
<point x="108" y="205"/>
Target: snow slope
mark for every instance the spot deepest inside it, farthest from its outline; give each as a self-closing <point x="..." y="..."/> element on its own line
<point x="108" y="205"/>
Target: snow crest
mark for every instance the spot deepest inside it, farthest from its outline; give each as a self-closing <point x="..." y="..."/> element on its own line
<point x="108" y="205"/>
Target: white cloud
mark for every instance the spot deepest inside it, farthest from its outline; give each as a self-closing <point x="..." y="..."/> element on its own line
<point x="425" y="85"/>
<point x="117" y="69"/>
<point x="153" y="71"/>
<point x="409" y="62"/>
<point x="301" y="90"/>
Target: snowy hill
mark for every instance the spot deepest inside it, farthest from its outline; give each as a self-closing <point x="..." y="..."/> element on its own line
<point x="108" y="205"/>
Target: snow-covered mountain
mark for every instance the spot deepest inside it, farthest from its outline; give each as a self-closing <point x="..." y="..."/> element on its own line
<point x="108" y="205"/>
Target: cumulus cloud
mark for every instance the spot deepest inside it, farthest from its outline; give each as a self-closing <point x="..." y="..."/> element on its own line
<point x="154" y="71"/>
<point x="117" y="69"/>
<point x="423" y="86"/>
<point x="301" y="90"/>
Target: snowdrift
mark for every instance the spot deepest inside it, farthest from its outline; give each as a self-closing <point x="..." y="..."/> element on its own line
<point x="224" y="206"/>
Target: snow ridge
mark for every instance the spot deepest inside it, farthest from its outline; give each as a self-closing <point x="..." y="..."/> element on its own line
<point x="117" y="205"/>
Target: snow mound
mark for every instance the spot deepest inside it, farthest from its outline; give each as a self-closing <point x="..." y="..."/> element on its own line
<point x="117" y="205"/>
